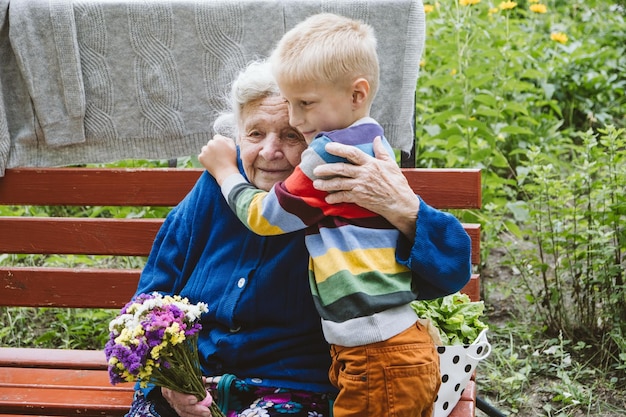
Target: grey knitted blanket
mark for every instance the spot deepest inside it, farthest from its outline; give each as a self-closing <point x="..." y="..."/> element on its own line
<point x="98" y="80"/>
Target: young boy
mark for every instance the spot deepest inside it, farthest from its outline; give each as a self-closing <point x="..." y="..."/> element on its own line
<point x="384" y="362"/>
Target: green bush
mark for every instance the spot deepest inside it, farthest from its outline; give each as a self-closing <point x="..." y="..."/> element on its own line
<point x="575" y="214"/>
<point x="533" y="93"/>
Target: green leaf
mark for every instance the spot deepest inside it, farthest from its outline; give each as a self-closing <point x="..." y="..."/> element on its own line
<point x="456" y="317"/>
<point x="516" y="130"/>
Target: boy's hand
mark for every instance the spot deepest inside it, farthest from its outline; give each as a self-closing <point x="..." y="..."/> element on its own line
<point x="219" y="157"/>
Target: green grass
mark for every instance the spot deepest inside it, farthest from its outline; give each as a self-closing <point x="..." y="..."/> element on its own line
<point x="61" y="328"/>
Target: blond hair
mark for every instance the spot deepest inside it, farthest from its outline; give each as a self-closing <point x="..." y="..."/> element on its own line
<point x="327" y="48"/>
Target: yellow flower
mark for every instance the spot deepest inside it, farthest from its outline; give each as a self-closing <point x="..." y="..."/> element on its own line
<point x="493" y="10"/>
<point x="155" y="353"/>
<point x="507" y="5"/>
<point x="453" y="71"/>
<point x="175" y="333"/>
<point x="422" y="63"/>
<point x="559" y="37"/>
<point x="428" y="8"/>
<point x="538" y="8"/>
<point x="125" y="337"/>
<point x="468" y="2"/>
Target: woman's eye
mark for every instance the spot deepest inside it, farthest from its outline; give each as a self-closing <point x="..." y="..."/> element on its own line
<point x="254" y="135"/>
<point x="294" y="137"/>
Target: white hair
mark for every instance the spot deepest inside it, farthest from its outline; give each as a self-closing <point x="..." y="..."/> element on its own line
<point x="254" y="82"/>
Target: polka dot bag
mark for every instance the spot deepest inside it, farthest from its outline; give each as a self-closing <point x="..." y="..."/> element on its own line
<point x="457" y="364"/>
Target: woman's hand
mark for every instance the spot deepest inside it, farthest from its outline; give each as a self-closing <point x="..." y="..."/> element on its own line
<point x="185" y="405"/>
<point x="376" y="184"/>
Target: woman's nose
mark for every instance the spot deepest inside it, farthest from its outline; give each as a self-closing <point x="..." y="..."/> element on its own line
<point x="272" y="148"/>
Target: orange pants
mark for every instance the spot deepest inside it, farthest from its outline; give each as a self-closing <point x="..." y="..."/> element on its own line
<point x="395" y="378"/>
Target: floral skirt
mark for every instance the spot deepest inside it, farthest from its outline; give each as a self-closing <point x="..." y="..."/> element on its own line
<point x="242" y="400"/>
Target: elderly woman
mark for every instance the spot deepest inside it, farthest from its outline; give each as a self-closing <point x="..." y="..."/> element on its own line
<point x="261" y="345"/>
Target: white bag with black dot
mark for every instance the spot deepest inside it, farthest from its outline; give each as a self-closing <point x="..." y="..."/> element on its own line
<point x="457" y="364"/>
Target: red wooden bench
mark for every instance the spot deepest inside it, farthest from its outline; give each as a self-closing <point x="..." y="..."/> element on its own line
<point x="57" y="382"/>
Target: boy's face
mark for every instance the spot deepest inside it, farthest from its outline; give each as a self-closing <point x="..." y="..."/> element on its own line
<point x="317" y="107"/>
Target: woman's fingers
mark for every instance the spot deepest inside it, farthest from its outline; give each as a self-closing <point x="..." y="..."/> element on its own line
<point x="185" y="405"/>
<point x="376" y="184"/>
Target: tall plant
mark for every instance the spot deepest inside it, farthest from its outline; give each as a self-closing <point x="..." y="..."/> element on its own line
<point x="575" y="217"/>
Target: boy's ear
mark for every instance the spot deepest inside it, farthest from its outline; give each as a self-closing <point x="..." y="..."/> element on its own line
<point x="360" y="92"/>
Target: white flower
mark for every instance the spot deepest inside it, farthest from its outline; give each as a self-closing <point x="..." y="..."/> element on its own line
<point x="255" y="412"/>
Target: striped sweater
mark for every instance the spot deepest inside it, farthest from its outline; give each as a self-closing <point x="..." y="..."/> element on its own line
<point x="361" y="292"/>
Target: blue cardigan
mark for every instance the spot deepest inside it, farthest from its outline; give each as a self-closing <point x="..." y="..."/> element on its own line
<point x="262" y="325"/>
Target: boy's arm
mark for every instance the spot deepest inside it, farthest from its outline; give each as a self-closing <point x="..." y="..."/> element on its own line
<point x="219" y="157"/>
<point x="260" y="211"/>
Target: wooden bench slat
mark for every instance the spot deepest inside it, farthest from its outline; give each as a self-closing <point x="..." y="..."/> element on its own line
<point x="58" y="287"/>
<point x="64" y="402"/>
<point x="457" y="188"/>
<point x="60" y="378"/>
<point x="125" y="237"/>
<point x="38" y="383"/>
<point x="96" y="186"/>
<point x="469" y="393"/>
<point x="52" y="358"/>
<point x="21" y="415"/>
<point x="64" y="235"/>
<point x="466" y="405"/>
<point x="473" y="230"/>
<point x="67" y="287"/>
<point x="472" y="288"/>
<point x="464" y="408"/>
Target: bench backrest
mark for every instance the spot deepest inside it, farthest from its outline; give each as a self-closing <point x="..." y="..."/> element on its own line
<point x="89" y="287"/>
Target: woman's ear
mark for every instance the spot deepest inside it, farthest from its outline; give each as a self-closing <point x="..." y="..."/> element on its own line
<point x="360" y="92"/>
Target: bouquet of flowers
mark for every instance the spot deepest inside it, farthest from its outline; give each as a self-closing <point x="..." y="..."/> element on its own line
<point x="154" y="340"/>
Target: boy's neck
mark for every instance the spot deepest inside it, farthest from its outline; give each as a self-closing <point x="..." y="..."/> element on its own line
<point x="360" y="114"/>
<point x="364" y="119"/>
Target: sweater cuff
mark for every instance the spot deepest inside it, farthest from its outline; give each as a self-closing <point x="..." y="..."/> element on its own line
<point x="230" y="182"/>
<point x="69" y="131"/>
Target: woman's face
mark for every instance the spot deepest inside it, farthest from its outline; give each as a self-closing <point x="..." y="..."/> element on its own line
<point x="270" y="148"/>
